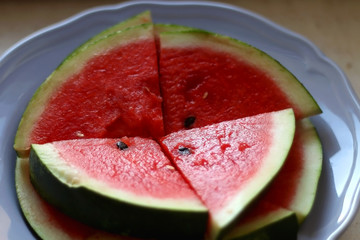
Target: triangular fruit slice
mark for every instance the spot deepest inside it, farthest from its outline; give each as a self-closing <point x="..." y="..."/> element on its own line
<point x="109" y="88"/>
<point x="207" y="78"/>
<point x="290" y="195"/>
<point x="295" y="186"/>
<point x="230" y="163"/>
<point x="126" y="186"/>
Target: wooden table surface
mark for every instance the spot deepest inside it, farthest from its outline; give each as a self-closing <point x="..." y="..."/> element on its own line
<point x="334" y="26"/>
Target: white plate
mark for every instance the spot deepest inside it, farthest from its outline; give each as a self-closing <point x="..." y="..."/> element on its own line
<point x="24" y="66"/>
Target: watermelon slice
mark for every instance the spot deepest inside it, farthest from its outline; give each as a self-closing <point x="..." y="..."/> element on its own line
<point x="295" y="186"/>
<point x="290" y="195"/>
<point x="207" y="78"/>
<point x="107" y="89"/>
<point x="230" y="163"/>
<point x="125" y="186"/>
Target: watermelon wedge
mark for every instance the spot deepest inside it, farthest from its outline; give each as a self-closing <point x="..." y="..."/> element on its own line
<point x="207" y="78"/>
<point x="107" y="89"/>
<point x="295" y="186"/>
<point x="125" y="186"/>
<point x="230" y="163"/>
<point x="290" y="195"/>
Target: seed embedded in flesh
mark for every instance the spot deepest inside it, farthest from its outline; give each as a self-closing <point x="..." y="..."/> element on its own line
<point x="189" y="121"/>
<point x="184" y="151"/>
<point x="121" y="145"/>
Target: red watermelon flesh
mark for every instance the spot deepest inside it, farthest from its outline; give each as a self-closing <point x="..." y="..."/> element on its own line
<point x="294" y="188"/>
<point x="140" y="169"/>
<point x="115" y="94"/>
<point x="213" y="87"/>
<point x="206" y="78"/>
<point x="283" y="188"/>
<point x="230" y="163"/>
<point x="125" y="186"/>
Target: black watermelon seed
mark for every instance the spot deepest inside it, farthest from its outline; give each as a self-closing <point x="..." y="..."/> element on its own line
<point x="184" y="151"/>
<point x="189" y="121"/>
<point x="121" y="145"/>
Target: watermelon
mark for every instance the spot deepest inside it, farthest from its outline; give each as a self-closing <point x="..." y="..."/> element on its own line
<point x="125" y="186"/>
<point x="207" y="78"/>
<point x="290" y="195"/>
<point x="107" y="89"/>
<point x="295" y="186"/>
<point x="229" y="163"/>
<point x="92" y="96"/>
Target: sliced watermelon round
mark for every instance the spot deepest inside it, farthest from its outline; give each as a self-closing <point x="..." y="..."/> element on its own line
<point x="230" y="163"/>
<point x="125" y="186"/>
<point x="107" y="89"/>
<point x="207" y="78"/>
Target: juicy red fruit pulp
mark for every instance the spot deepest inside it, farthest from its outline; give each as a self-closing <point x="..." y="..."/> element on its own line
<point x="213" y="86"/>
<point x="116" y="94"/>
<point x="140" y="168"/>
<point x="218" y="160"/>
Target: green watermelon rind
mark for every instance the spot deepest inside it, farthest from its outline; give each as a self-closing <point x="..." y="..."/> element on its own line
<point x="163" y="27"/>
<point x="96" y="204"/>
<point x="34" y="209"/>
<point x="308" y="183"/>
<point x="70" y="66"/>
<point x="278" y="224"/>
<point x="139" y="19"/>
<point x="298" y="95"/>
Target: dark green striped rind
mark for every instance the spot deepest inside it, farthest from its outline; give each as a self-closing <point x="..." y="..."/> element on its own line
<point x="275" y="225"/>
<point x="113" y="214"/>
